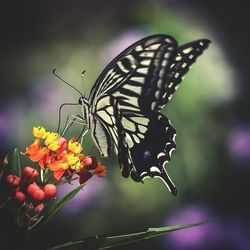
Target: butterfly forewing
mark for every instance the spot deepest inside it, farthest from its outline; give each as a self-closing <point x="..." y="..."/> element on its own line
<point x="135" y="71"/>
<point x="184" y="57"/>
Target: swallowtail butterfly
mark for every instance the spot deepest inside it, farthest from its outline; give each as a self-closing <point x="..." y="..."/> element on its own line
<point x="123" y="109"/>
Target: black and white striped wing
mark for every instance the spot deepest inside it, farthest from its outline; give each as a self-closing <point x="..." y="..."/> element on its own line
<point x="184" y="57"/>
<point x="150" y="70"/>
<point x="141" y="80"/>
<point x="137" y="70"/>
<point x="143" y="144"/>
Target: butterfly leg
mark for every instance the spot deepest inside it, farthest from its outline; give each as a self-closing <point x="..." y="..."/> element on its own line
<point x="83" y="134"/>
<point x="71" y="119"/>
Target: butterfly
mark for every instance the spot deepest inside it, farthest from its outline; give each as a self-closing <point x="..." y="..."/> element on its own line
<point x="123" y="108"/>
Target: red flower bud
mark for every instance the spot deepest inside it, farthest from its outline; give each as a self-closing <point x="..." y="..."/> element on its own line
<point x="50" y="191"/>
<point x="100" y="171"/>
<point x="19" y="197"/>
<point x="13" y="180"/>
<point x="39" y="208"/>
<point x="84" y="176"/>
<point x="36" y="193"/>
<point x="29" y="174"/>
<point x="89" y="162"/>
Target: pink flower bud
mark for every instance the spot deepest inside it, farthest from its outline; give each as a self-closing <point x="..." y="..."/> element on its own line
<point x="31" y="206"/>
<point x="39" y="208"/>
<point x="29" y="174"/>
<point x="89" y="162"/>
<point x="36" y="194"/>
<point x="13" y="180"/>
<point x="32" y="187"/>
<point x="50" y="191"/>
<point x="19" y="197"/>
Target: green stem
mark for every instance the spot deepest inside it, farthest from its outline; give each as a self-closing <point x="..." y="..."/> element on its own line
<point x="5" y="203"/>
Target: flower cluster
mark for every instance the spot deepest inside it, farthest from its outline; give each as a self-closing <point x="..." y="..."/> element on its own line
<point x="25" y="190"/>
<point x="63" y="158"/>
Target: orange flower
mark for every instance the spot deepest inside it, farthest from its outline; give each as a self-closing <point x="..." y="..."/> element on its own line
<point x="63" y="162"/>
<point x="45" y="160"/>
<point x="33" y="148"/>
<point x="39" y="154"/>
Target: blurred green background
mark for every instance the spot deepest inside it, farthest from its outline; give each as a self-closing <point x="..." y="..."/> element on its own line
<point x="210" y="111"/>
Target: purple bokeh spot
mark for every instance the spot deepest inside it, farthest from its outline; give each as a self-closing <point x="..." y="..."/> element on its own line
<point x="118" y="44"/>
<point x="4" y="123"/>
<point x="48" y="97"/>
<point x="239" y="144"/>
<point x="219" y="234"/>
<point x="192" y="237"/>
<point x="90" y="193"/>
<point x="7" y="118"/>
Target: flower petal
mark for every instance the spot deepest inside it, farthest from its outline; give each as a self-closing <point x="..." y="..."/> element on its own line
<point x="39" y="154"/>
<point x="59" y="173"/>
<point x="39" y="132"/>
<point x="101" y="170"/>
<point x="74" y="146"/>
<point x="50" y="138"/>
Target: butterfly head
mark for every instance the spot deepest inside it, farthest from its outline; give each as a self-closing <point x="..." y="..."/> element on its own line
<point x="85" y="108"/>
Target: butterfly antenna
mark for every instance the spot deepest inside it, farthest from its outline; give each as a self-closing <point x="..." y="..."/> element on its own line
<point x="83" y="82"/>
<point x="55" y="74"/>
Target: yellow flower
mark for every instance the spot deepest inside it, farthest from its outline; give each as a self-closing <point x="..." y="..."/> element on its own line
<point x="74" y="146"/>
<point x="54" y="145"/>
<point x="73" y="161"/>
<point x="50" y="138"/>
<point x="77" y="166"/>
<point x="39" y="132"/>
<point x="58" y="145"/>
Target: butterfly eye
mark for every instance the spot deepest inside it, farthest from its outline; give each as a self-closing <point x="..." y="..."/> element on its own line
<point x="81" y="101"/>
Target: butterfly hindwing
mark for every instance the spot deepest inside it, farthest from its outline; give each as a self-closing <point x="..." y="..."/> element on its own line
<point x="154" y="150"/>
<point x="140" y="152"/>
<point x="108" y="114"/>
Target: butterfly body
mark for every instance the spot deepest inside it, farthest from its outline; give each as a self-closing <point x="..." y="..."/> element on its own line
<point x="123" y="109"/>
